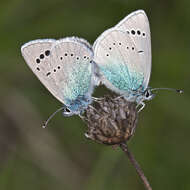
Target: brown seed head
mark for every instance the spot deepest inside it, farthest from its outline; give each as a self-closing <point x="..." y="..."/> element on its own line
<point x="111" y="120"/>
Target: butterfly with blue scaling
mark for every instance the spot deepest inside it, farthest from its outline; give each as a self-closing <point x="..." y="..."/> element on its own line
<point x="65" y="68"/>
<point x="123" y="55"/>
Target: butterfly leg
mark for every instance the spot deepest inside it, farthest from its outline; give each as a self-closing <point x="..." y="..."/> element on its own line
<point x="82" y="117"/>
<point x="97" y="99"/>
<point x="142" y="106"/>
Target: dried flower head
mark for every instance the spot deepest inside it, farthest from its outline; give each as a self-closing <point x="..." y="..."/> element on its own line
<point x="111" y="120"/>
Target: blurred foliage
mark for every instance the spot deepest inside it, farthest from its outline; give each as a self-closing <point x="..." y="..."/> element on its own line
<point x="60" y="157"/>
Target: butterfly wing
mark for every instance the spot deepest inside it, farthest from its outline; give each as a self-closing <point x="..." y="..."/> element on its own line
<point x="74" y="77"/>
<point x="136" y="25"/>
<point x="119" y="62"/>
<point x="63" y="66"/>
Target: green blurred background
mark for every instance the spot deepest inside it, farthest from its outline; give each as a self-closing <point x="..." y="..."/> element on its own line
<point x="60" y="157"/>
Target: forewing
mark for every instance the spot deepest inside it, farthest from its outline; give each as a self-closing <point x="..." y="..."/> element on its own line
<point x="118" y="59"/>
<point x="38" y="56"/>
<point x="136" y="25"/>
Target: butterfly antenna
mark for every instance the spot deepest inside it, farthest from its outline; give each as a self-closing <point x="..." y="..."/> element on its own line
<point x="171" y="89"/>
<point x="51" y="116"/>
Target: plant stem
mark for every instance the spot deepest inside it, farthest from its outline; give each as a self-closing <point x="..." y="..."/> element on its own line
<point x="124" y="147"/>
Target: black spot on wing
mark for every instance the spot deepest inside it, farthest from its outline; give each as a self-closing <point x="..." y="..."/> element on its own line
<point x="41" y="56"/>
<point x="37" y="60"/>
<point x="48" y="73"/>
<point x="47" y="52"/>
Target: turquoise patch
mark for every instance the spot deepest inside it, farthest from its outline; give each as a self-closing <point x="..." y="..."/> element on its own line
<point x="78" y="85"/>
<point x="123" y="79"/>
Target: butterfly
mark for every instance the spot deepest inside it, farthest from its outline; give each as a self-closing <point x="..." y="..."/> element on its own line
<point x="65" y="68"/>
<point x="123" y="55"/>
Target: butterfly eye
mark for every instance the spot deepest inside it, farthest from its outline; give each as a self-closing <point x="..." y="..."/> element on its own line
<point x="67" y="110"/>
<point x="147" y="94"/>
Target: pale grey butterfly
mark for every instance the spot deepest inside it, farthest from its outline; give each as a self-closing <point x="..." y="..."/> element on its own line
<point x="65" y="68"/>
<point x="123" y="55"/>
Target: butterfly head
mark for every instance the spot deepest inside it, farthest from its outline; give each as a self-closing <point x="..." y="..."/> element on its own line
<point x="77" y="106"/>
<point x="148" y="95"/>
<point x="67" y="112"/>
<point x="72" y="110"/>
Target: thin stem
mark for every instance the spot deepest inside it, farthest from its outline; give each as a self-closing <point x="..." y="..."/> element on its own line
<point x="125" y="149"/>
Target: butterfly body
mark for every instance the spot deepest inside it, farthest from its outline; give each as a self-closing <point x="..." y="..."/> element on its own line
<point x="65" y="68"/>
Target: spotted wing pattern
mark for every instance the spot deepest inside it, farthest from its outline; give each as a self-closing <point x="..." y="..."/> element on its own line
<point x="119" y="62"/>
<point x="137" y="26"/>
